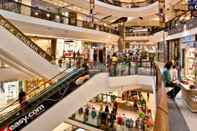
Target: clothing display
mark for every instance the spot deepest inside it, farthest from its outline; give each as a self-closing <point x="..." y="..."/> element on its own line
<point x="93" y="114"/>
<point x="129" y="123"/>
<point x="120" y="120"/>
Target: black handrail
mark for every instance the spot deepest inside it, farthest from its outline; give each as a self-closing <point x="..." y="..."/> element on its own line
<point x="133" y="4"/>
<point x="38" y="87"/>
<point x="56" y="17"/>
<point x="21" y="36"/>
<point x="12" y="117"/>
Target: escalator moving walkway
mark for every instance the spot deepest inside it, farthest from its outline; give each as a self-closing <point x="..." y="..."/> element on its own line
<point x="19" y="118"/>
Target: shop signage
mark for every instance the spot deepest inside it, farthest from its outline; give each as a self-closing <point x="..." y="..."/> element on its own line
<point x="188" y="41"/>
<point x="188" y="38"/>
<point x="25" y="119"/>
<point x="192" y="5"/>
<point x="59" y="92"/>
<point x="23" y="38"/>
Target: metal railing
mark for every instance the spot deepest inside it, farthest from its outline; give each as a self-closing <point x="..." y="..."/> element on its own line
<point x="132" y="4"/>
<point x="132" y="68"/>
<point x="17" y="7"/>
<point x="22" y="37"/>
<point x="161" y="117"/>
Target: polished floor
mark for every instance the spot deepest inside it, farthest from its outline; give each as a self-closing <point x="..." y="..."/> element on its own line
<point x="189" y="117"/>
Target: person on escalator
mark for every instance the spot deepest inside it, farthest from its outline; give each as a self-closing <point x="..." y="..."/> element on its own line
<point x="23" y="101"/>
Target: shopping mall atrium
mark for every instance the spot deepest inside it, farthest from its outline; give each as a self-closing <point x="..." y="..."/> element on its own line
<point x="98" y="65"/>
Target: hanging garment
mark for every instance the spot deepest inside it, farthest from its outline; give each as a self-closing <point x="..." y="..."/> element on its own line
<point x="101" y="56"/>
<point x="120" y="120"/>
<point x="95" y="56"/>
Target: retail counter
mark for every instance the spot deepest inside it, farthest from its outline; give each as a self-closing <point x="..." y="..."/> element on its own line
<point x="190" y="96"/>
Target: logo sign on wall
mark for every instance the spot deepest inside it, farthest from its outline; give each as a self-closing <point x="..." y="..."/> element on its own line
<point x="192" y="5"/>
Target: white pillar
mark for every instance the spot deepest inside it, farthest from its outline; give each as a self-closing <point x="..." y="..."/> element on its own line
<point x="24" y="9"/>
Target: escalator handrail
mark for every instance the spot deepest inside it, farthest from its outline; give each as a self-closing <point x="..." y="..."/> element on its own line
<point x="14" y="29"/>
<point x="46" y="82"/>
<point x="43" y="93"/>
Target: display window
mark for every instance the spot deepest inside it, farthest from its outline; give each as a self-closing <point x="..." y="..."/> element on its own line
<point x="9" y="93"/>
<point x="190" y="69"/>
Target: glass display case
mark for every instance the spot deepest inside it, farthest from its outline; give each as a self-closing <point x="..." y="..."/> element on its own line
<point x="190" y="70"/>
<point x="189" y="86"/>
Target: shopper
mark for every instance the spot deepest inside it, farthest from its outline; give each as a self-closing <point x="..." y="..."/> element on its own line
<point x="95" y="57"/>
<point x="107" y="109"/>
<point x="108" y="63"/>
<point x="60" y="62"/>
<point x="23" y="101"/>
<point x="174" y="73"/>
<point x="168" y="81"/>
<point x="114" y="63"/>
<point x="74" y="55"/>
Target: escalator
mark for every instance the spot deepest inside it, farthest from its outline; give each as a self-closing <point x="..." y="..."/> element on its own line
<point x="19" y="117"/>
<point x="19" y="51"/>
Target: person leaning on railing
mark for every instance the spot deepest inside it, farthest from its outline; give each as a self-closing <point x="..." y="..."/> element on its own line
<point x="23" y="101"/>
<point x="168" y="81"/>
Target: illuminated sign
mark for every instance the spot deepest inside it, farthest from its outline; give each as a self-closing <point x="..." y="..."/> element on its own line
<point x="192" y="4"/>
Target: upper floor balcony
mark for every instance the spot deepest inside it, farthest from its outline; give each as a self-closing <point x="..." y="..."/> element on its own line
<point x="130" y="4"/>
<point x="27" y="10"/>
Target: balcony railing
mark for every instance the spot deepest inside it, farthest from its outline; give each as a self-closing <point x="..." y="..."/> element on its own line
<point x="180" y="27"/>
<point x="132" y="4"/>
<point x="138" y="33"/>
<point x="65" y="83"/>
<point x="23" y="9"/>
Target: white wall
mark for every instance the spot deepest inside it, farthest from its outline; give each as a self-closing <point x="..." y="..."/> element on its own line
<point x="15" y="50"/>
<point x="45" y="28"/>
<point x="100" y="83"/>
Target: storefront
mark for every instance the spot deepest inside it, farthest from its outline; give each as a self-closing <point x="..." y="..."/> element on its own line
<point x="160" y="52"/>
<point x="9" y="92"/>
<point x="129" y="110"/>
<point x="47" y="44"/>
<point x="173" y="51"/>
<point x="188" y="62"/>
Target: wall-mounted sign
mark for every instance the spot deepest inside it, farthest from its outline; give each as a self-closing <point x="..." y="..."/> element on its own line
<point x="192" y="5"/>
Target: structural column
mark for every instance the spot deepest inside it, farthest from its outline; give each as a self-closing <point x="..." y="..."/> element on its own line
<point x="26" y="10"/>
<point x="121" y="41"/>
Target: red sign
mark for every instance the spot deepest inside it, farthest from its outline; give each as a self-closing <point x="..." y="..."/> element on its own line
<point x="6" y="129"/>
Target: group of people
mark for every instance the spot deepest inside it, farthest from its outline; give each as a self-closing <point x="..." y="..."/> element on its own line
<point x="171" y="79"/>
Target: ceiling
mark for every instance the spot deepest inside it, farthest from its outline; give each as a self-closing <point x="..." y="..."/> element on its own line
<point x="108" y="13"/>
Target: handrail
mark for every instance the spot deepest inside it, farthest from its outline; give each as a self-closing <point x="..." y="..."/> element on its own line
<point x="46" y="82"/>
<point x="59" y="18"/>
<point x="43" y="100"/>
<point x="161" y="119"/>
<point x="131" y="4"/>
<point x="21" y="36"/>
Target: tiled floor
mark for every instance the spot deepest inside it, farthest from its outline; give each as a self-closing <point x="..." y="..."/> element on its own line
<point x="190" y="118"/>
